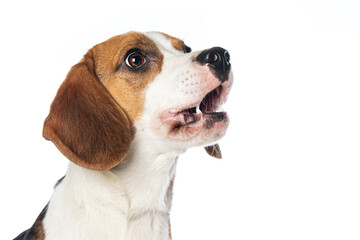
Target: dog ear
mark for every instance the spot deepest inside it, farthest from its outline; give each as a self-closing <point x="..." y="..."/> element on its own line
<point x="86" y="123"/>
<point x="214" y="151"/>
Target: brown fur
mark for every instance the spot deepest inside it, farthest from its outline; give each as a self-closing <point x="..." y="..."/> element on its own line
<point x="85" y="123"/>
<point x="91" y="118"/>
<point x="175" y="42"/>
<point x="214" y="151"/>
<point x="170" y="230"/>
<point x="128" y="87"/>
<point x="36" y="232"/>
<point x="170" y="191"/>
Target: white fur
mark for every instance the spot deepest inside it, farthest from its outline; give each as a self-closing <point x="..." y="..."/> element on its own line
<point x="132" y="201"/>
<point x="181" y="84"/>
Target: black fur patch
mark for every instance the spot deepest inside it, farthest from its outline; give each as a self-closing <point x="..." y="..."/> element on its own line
<point x="36" y="232"/>
<point x="59" y="181"/>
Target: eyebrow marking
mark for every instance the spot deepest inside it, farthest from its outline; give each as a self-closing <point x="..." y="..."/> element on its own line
<point x="177" y="43"/>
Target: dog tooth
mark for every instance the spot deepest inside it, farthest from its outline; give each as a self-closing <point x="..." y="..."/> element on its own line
<point x="219" y="109"/>
<point x="198" y="109"/>
<point x="217" y="90"/>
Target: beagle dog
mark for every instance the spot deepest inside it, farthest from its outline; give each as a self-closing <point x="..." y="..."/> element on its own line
<point x="122" y="117"/>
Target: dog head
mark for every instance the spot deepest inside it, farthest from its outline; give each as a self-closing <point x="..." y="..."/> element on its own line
<point x="136" y="84"/>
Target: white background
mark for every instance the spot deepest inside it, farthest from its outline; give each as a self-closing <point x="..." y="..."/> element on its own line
<point x="291" y="158"/>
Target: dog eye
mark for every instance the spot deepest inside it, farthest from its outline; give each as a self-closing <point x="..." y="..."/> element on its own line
<point x="135" y="60"/>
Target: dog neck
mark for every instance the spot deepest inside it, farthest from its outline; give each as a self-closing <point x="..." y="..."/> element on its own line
<point x="130" y="201"/>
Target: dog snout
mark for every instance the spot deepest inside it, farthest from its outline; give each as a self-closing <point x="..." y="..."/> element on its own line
<point x="217" y="59"/>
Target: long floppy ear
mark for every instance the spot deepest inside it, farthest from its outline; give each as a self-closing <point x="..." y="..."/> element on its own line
<point x="85" y="122"/>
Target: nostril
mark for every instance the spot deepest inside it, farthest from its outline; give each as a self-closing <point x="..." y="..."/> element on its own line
<point x="209" y="57"/>
<point x="215" y="57"/>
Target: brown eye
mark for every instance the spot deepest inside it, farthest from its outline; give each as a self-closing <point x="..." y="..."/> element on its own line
<point x="135" y="60"/>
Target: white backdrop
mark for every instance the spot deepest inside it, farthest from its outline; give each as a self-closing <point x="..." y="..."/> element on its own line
<point x="291" y="158"/>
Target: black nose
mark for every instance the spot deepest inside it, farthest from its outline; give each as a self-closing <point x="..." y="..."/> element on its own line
<point x="218" y="59"/>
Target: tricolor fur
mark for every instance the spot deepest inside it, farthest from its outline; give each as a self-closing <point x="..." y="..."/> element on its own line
<point x="122" y="116"/>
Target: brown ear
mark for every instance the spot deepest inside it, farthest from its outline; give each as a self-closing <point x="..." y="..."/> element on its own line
<point x="214" y="151"/>
<point x="86" y="123"/>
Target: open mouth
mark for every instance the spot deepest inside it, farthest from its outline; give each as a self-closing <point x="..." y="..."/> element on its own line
<point x="207" y="111"/>
<point x="209" y="103"/>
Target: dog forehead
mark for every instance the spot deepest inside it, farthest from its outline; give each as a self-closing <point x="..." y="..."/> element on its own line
<point x="108" y="53"/>
<point x="167" y="42"/>
<point x="132" y="39"/>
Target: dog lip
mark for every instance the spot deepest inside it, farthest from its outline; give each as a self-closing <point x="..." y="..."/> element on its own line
<point x="184" y="118"/>
<point x="196" y="120"/>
